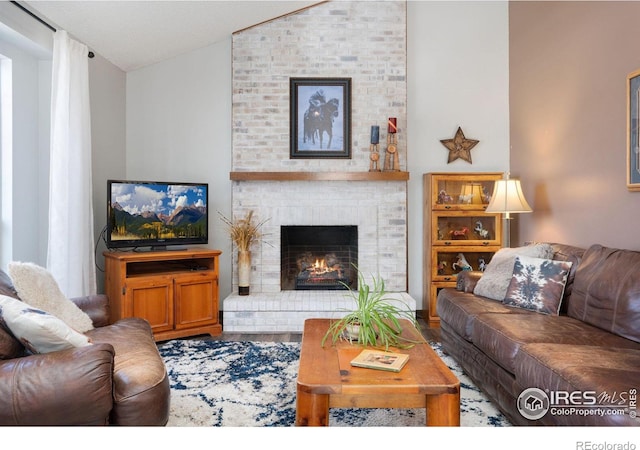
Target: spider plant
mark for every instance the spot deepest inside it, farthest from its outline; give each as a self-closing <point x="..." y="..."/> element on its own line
<point x="377" y="320"/>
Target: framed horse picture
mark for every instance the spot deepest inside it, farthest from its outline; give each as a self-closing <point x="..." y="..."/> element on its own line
<point x="320" y="117"/>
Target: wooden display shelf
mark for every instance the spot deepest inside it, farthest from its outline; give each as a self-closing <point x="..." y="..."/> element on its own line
<point x="319" y="176"/>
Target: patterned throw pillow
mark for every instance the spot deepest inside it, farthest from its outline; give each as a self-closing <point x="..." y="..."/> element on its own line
<point x="37" y="330"/>
<point x="537" y="284"/>
<point x="494" y="282"/>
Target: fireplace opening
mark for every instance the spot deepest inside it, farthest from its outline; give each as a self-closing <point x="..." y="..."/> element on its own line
<point x="318" y="257"/>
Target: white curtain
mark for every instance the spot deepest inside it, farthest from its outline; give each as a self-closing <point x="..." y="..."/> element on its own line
<point x="70" y="253"/>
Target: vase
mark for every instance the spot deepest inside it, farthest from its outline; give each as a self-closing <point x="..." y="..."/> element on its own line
<point x="244" y="271"/>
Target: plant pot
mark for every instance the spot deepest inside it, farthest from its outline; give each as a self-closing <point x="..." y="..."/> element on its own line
<point x="351" y="331"/>
<point x="244" y="271"/>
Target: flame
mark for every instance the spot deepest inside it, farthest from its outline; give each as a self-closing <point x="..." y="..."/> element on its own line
<point x="320" y="267"/>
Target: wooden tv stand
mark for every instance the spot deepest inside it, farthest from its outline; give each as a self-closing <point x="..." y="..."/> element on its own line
<point x="175" y="291"/>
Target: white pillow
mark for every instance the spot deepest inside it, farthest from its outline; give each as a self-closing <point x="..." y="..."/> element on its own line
<point x="37" y="330"/>
<point x="37" y="287"/>
<point x="496" y="278"/>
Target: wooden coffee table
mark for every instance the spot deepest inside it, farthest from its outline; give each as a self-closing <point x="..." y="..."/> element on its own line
<point x="326" y="380"/>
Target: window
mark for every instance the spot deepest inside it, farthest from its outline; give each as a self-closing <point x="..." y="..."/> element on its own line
<point x="6" y="160"/>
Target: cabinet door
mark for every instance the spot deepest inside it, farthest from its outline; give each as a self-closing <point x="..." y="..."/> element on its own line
<point x="450" y="261"/>
<point x="462" y="192"/>
<point x="466" y="228"/>
<point x="151" y="298"/>
<point x="196" y="300"/>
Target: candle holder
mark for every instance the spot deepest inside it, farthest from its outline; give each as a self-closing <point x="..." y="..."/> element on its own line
<point x="374" y="157"/>
<point x="391" y="160"/>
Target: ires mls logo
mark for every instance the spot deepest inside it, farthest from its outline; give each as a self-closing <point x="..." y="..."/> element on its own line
<point x="534" y="403"/>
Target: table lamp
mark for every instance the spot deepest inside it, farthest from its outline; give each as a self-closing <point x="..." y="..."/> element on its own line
<point x="508" y="198"/>
<point x="471" y="193"/>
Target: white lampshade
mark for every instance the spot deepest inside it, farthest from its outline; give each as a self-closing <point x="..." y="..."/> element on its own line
<point x="471" y="193"/>
<point x="508" y="198"/>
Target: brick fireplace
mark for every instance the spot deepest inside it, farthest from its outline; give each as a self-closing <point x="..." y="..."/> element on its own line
<point x="333" y="39"/>
<point x="377" y="208"/>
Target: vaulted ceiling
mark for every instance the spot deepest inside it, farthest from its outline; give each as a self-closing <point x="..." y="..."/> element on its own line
<point x="132" y="34"/>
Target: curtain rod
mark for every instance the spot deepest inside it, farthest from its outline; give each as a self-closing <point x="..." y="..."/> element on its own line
<point x="52" y="28"/>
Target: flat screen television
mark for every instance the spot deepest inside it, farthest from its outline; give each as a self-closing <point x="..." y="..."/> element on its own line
<point x="156" y="214"/>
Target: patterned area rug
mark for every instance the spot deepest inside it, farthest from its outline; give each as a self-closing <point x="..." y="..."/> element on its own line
<point x="253" y="384"/>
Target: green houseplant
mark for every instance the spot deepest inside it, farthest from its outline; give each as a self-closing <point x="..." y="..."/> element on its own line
<point x="376" y="320"/>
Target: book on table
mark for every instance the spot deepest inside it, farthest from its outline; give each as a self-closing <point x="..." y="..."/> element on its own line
<point x="380" y="360"/>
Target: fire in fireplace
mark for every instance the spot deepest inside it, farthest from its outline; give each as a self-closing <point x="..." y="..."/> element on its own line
<point x="318" y="257"/>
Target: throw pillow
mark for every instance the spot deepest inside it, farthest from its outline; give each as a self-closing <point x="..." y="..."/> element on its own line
<point x="37" y="330"/>
<point x="497" y="275"/>
<point x="37" y="287"/>
<point x="538" y="284"/>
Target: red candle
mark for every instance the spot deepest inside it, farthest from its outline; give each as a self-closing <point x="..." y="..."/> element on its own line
<point x="393" y="127"/>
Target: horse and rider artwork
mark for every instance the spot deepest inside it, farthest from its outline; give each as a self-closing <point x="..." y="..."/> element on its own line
<point x="320" y="118"/>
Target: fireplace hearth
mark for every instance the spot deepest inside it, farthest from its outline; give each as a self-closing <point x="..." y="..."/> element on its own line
<point x="319" y="257"/>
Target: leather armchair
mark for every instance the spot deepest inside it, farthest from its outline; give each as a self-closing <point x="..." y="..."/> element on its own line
<point x="120" y="379"/>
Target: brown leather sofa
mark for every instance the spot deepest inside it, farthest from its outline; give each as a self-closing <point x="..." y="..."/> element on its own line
<point x="119" y="380"/>
<point x="586" y="360"/>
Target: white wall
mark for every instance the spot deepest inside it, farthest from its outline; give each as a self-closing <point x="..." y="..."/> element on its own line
<point x="458" y="75"/>
<point x="179" y="129"/>
<point x="178" y="111"/>
<point x="107" y="85"/>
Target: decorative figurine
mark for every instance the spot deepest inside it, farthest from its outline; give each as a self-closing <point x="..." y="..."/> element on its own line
<point x="443" y="197"/>
<point x="391" y="160"/>
<point x="460" y="233"/>
<point x="466" y="199"/>
<point x="481" y="231"/>
<point x="442" y="265"/>
<point x="481" y="264"/>
<point x="486" y="197"/>
<point x="374" y="155"/>
<point x="461" y="263"/>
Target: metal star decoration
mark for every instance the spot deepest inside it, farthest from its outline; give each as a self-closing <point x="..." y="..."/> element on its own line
<point x="459" y="147"/>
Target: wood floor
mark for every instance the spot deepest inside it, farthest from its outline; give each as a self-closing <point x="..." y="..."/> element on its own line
<point x="430" y="334"/>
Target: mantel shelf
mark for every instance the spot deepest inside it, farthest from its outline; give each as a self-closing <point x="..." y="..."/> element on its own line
<point x="319" y="176"/>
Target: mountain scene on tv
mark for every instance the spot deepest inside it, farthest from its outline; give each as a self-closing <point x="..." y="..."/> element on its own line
<point x="157" y="211"/>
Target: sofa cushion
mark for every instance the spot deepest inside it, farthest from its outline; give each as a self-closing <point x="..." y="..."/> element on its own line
<point x="37" y="330"/>
<point x="537" y="284"/>
<point x="497" y="275"/>
<point x="459" y="310"/>
<point x="37" y="287"/>
<point x="606" y="291"/>
<point x="609" y="371"/>
<point x="500" y="336"/>
<point x="141" y="386"/>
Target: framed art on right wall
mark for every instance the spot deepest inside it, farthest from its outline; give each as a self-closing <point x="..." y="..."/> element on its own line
<point x="633" y="131"/>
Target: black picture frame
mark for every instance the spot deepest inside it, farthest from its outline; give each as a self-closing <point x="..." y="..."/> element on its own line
<point x="320" y="118"/>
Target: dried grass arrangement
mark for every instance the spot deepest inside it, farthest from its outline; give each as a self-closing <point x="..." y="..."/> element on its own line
<point x="244" y="232"/>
